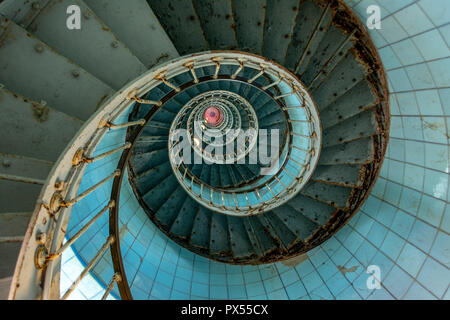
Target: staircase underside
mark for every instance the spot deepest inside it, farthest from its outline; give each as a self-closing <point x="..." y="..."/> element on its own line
<point x="328" y="49"/>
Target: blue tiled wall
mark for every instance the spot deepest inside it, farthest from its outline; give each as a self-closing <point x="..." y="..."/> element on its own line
<point x="403" y="227"/>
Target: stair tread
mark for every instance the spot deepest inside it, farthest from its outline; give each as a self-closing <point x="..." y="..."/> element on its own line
<point x="344" y="175"/>
<point x="201" y="230"/>
<point x="14" y="224"/>
<point x="94" y="47"/>
<point x="34" y="131"/>
<point x="298" y="224"/>
<point x="168" y="212"/>
<point x="315" y="211"/>
<point x="156" y="197"/>
<point x="278" y="28"/>
<point x="281" y="230"/>
<point x="308" y="19"/>
<point x="354" y="101"/>
<point x="179" y="19"/>
<point x="15" y="165"/>
<point x="22" y="196"/>
<point x="341" y="79"/>
<point x="239" y="241"/>
<point x="327" y="55"/>
<point x="40" y="73"/>
<point x="183" y="224"/>
<point x="336" y="196"/>
<point x="220" y="240"/>
<point x="355" y="152"/>
<point x="137" y="27"/>
<point x="142" y="162"/>
<point x="249" y="19"/>
<point x="362" y="125"/>
<point x="217" y="23"/>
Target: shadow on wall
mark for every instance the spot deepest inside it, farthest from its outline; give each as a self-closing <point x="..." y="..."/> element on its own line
<point x="402" y="230"/>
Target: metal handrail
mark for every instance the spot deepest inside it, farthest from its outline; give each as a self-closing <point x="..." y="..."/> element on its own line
<point x="184" y="174"/>
<point x="37" y="269"/>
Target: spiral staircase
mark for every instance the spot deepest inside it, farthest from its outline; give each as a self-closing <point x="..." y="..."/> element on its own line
<point x="71" y="99"/>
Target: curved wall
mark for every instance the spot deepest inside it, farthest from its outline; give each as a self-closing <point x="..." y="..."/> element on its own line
<point x="403" y="228"/>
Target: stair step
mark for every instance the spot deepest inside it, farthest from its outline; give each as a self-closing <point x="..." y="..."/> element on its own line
<point x="313" y="210"/>
<point x="342" y="175"/>
<point x="94" y="47"/>
<point x="309" y="17"/>
<point x="168" y="212"/>
<point x="22" y="12"/>
<point x="265" y="242"/>
<point x="281" y="230"/>
<point x="344" y="77"/>
<point x="5" y="285"/>
<point x="354" y="101"/>
<point x="278" y="28"/>
<point x="146" y="161"/>
<point x="241" y="245"/>
<point x="206" y="173"/>
<point x="362" y="125"/>
<point x="216" y="19"/>
<point x="331" y="50"/>
<point x="249" y="20"/>
<point x="314" y="41"/>
<point x="23" y="168"/>
<point x="297" y="223"/>
<point x="181" y="22"/>
<point x="182" y="226"/>
<point x="220" y="240"/>
<point x="156" y="197"/>
<point x="33" y="130"/>
<point x="215" y="175"/>
<point x="21" y="196"/>
<point x="149" y="144"/>
<point x="201" y="230"/>
<point x="335" y="196"/>
<point x="225" y="179"/>
<point x="9" y="251"/>
<point x="39" y="73"/>
<point x="356" y="152"/>
<point x="14" y="224"/>
<point x="150" y="178"/>
<point x="156" y="128"/>
<point x="137" y="27"/>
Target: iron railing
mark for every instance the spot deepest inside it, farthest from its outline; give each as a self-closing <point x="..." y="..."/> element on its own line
<point x="38" y="267"/>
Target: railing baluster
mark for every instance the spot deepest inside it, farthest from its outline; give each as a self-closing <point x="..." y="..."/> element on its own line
<point x="257" y="76"/>
<point x="241" y="67"/>
<point x="217" y="62"/>
<point x="235" y="202"/>
<point x="115" y="279"/>
<point x="272" y="84"/>
<point x="112" y="126"/>
<point x="56" y="202"/>
<point x="190" y="66"/>
<point x="88" y="267"/>
<point x="270" y="189"/>
<point x="132" y="96"/>
<point x="162" y="78"/>
<point x="72" y="240"/>
<point x="79" y="156"/>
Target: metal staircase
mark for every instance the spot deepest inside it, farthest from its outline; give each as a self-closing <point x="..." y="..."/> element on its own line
<point x="71" y="100"/>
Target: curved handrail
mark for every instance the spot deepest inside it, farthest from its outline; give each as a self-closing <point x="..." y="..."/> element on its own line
<point x="37" y="271"/>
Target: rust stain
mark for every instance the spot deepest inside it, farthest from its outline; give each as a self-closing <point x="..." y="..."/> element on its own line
<point x="345" y="270"/>
<point x="101" y="102"/>
<point x="40" y="112"/>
